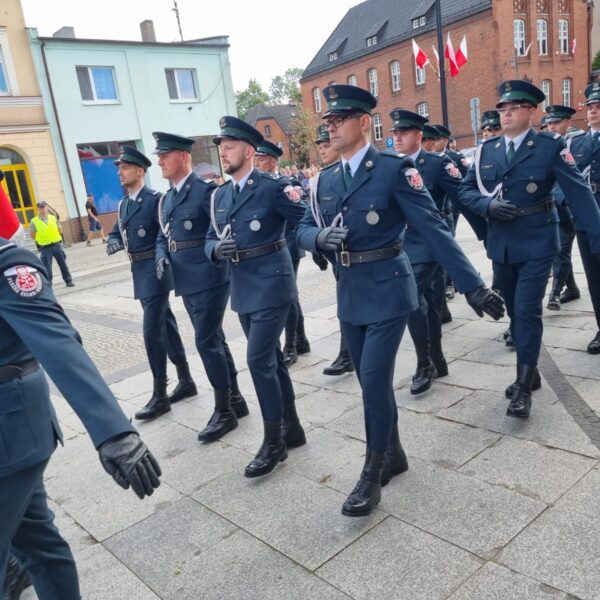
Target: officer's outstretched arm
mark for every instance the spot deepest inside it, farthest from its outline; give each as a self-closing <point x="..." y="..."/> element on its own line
<point x="470" y="196"/>
<point x="290" y="202"/>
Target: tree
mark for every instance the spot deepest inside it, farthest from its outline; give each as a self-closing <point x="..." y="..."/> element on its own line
<point x="286" y="88"/>
<point x="251" y="96"/>
<point x="596" y="62"/>
<point x="304" y="126"/>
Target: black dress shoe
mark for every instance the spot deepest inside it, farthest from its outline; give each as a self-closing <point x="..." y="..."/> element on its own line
<point x="302" y="345"/>
<point x="535" y="385"/>
<point x="292" y="430"/>
<point x="446" y="315"/>
<point x="553" y="303"/>
<point x="450" y="292"/>
<point x="185" y="388"/>
<point x="509" y="341"/>
<point x="223" y="419"/>
<point x="395" y="461"/>
<point x="594" y="345"/>
<point x="290" y="355"/>
<point x="570" y="294"/>
<point x="271" y="453"/>
<point x="342" y="364"/>
<point x="159" y="402"/>
<point x="423" y="378"/>
<point x="367" y="493"/>
<point x="70" y="284"/>
<point x="16" y="581"/>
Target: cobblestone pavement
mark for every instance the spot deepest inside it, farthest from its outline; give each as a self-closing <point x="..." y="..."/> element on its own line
<point x="491" y="507"/>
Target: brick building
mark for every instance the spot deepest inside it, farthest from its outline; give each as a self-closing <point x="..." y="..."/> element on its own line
<point x="371" y="47"/>
<point x="275" y="124"/>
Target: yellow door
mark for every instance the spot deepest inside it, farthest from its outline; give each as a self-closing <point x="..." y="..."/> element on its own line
<point x="17" y="185"/>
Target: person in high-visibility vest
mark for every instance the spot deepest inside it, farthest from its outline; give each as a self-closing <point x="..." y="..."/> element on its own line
<point x="46" y="231"/>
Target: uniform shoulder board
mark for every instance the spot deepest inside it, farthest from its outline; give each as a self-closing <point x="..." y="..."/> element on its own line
<point x="574" y="134"/>
<point x="492" y="139"/>
<point x="549" y="134"/>
<point x="275" y="176"/>
<point x="392" y="153"/>
<point x="334" y="164"/>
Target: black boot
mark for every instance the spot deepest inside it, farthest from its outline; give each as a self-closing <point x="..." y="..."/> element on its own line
<point x="342" y="364"/>
<point x="223" y="419"/>
<point x="159" y="402"/>
<point x="185" y="388"/>
<point x="554" y="299"/>
<point x="238" y="403"/>
<point x="395" y="459"/>
<point x="571" y="292"/>
<point x="425" y="373"/>
<point x="271" y="453"/>
<point x="594" y="345"/>
<point x="290" y="354"/>
<point x="302" y="343"/>
<point x="293" y="433"/>
<point x="450" y="291"/>
<point x="16" y="581"/>
<point x="509" y="341"/>
<point x="445" y="314"/>
<point x="520" y="402"/>
<point x="536" y="384"/>
<point x="367" y="493"/>
<point x="437" y="356"/>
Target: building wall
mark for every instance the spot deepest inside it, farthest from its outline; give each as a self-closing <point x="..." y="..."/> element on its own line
<point x="277" y="136"/>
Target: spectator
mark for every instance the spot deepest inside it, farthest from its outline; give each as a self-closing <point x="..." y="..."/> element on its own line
<point x="93" y="219"/>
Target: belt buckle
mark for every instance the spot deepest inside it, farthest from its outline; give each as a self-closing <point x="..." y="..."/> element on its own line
<point x="172" y="246"/>
<point x="235" y="258"/>
<point x="345" y="258"/>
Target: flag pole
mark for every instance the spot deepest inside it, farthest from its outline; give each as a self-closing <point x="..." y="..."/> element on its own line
<point x="442" y="74"/>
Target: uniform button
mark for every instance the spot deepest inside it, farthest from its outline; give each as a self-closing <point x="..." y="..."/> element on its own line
<point x="345" y="208"/>
<point x="371" y="205"/>
<point x="505" y="177"/>
<point x="233" y="220"/>
<point x="233" y="234"/>
<point x="396" y="273"/>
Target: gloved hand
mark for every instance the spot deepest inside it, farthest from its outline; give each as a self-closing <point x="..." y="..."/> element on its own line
<point x="162" y="264"/>
<point x="127" y="459"/>
<point x="483" y="300"/>
<point x="331" y="238"/>
<point x="225" y="249"/>
<point x="114" y="246"/>
<point x="568" y="227"/>
<point x="501" y="210"/>
<point x="320" y="261"/>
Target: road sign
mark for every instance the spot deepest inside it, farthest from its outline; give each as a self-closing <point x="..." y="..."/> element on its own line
<point x="475" y="116"/>
<point x="389" y="142"/>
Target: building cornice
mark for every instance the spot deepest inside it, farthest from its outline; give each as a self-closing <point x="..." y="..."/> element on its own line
<point x="23" y="128"/>
<point x="14" y="101"/>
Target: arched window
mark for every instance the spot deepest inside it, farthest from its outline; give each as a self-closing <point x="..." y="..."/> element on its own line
<point x="423" y="109"/>
<point x="395" y="75"/>
<point x="563" y="36"/>
<point x="352" y="80"/>
<point x="373" y="82"/>
<point x="547" y="89"/>
<point x="419" y="75"/>
<point x="519" y="36"/>
<point x="317" y="99"/>
<point x="378" y="127"/>
<point x="542" y="37"/>
<point x="566" y="92"/>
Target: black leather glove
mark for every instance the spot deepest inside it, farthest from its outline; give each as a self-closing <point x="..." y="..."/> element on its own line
<point x="483" y="300"/>
<point x="501" y="210"/>
<point x="225" y="249"/>
<point x="114" y="246"/>
<point x="568" y="227"/>
<point x="162" y="264"/>
<point x="130" y="463"/>
<point x="331" y="238"/>
<point x="320" y="261"/>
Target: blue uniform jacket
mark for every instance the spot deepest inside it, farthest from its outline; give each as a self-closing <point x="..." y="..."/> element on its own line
<point x="186" y="214"/>
<point x="258" y="217"/>
<point x="389" y="186"/>
<point x="541" y="160"/>
<point x="581" y="149"/>
<point x="137" y="222"/>
<point x="32" y="324"/>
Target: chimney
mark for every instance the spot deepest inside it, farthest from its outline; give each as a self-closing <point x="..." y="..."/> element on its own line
<point x="147" y="29"/>
<point x="65" y="32"/>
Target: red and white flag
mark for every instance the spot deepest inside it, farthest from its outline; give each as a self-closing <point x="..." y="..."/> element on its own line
<point x="461" y="54"/>
<point x="573" y="46"/>
<point x="437" y="56"/>
<point x="449" y="54"/>
<point x="420" y="57"/>
<point x="526" y="53"/>
<point x="10" y="226"/>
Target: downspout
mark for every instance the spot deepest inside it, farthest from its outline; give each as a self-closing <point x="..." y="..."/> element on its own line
<point x="62" y="141"/>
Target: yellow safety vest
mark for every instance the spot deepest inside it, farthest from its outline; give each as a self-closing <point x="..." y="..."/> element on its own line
<point x="46" y="233"/>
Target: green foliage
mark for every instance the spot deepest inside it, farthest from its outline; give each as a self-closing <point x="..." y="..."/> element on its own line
<point x="251" y="96"/>
<point x="285" y="88"/>
<point x="596" y="62"/>
<point x="303" y="132"/>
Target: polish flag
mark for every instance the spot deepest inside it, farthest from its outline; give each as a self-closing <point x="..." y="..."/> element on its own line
<point x="449" y="54"/>
<point x="461" y="54"/>
<point x="573" y="46"/>
<point x="526" y="53"/>
<point x="437" y="56"/>
<point x="420" y="57"/>
<point x="10" y="226"/>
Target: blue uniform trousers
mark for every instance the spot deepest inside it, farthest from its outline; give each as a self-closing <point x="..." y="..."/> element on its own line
<point x="562" y="261"/>
<point x="523" y="286"/>
<point x="373" y="349"/>
<point x="592" y="272"/>
<point x="206" y="310"/>
<point x="295" y="316"/>
<point x="425" y="322"/>
<point x="27" y="531"/>
<point x="265" y="360"/>
<point x="47" y="253"/>
<point x="161" y="335"/>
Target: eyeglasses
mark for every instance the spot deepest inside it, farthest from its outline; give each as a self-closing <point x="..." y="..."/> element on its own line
<point x="507" y="110"/>
<point x="338" y="121"/>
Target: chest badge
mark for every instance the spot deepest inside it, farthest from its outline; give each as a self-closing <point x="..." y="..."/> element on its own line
<point x="187" y="225"/>
<point x="141" y="232"/>
<point x="497" y="145"/>
<point x="372" y="217"/>
<point x="531" y="188"/>
<point x="255" y="225"/>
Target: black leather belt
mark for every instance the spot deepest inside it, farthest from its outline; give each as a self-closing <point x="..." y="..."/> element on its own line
<point x="10" y="372"/>
<point x="137" y="256"/>
<point x="346" y="258"/>
<point x="540" y="207"/>
<point x="258" y="251"/>
<point x="175" y="246"/>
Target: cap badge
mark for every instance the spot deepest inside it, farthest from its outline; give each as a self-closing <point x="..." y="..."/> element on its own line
<point x="507" y="87"/>
<point x="223" y="123"/>
<point x="332" y="94"/>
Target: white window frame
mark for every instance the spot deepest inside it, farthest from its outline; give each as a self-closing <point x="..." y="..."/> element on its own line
<point x="415" y="23"/>
<point x="566" y="92"/>
<point x="377" y="127"/>
<point x="547" y="89"/>
<point x="542" y="37"/>
<point x="352" y="80"/>
<point x="268" y="132"/>
<point x="333" y="56"/>
<point x="373" y="81"/>
<point x="563" y="36"/>
<point x="6" y="59"/>
<point x="519" y="37"/>
<point x="372" y="41"/>
<point x="423" y="109"/>
<point x="179" y="98"/>
<point x="93" y="84"/>
<point x="317" y="100"/>
<point x="420" y="75"/>
<point x="395" y="77"/>
<point x="422" y="21"/>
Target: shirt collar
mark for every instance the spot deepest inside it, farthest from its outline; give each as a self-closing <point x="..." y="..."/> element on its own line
<point x="415" y="155"/>
<point x="517" y="140"/>
<point x="356" y="159"/>
<point x="242" y="182"/>
<point x="134" y="196"/>
<point x="180" y="183"/>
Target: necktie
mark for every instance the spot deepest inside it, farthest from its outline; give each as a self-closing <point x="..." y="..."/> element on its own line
<point x="347" y="175"/>
<point x="595" y="140"/>
<point x="236" y="191"/>
<point x="511" y="151"/>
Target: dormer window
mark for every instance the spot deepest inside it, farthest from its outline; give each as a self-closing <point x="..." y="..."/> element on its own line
<point x="416" y="23"/>
<point x="371" y="41"/>
<point x="333" y="56"/>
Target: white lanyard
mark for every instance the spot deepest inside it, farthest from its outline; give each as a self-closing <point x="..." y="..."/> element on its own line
<point x="226" y="233"/>
<point x="497" y="191"/>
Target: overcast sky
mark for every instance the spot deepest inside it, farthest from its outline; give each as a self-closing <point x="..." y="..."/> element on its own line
<point x="266" y="36"/>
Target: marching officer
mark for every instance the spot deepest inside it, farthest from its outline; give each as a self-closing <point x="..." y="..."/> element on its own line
<point x="330" y="156"/>
<point x="249" y="215"/>
<point x="32" y="327"/>
<point x="365" y="202"/>
<point x="184" y="217"/>
<point x="585" y="147"/>
<point x="266" y="159"/>
<point x="558" y="119"/>
<point x="135" y="231"/>
<point x="430" y="136"/>
<point x="442" y="180"/>
<point x="490" y="124"/>
<point x="511" y="183"/>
